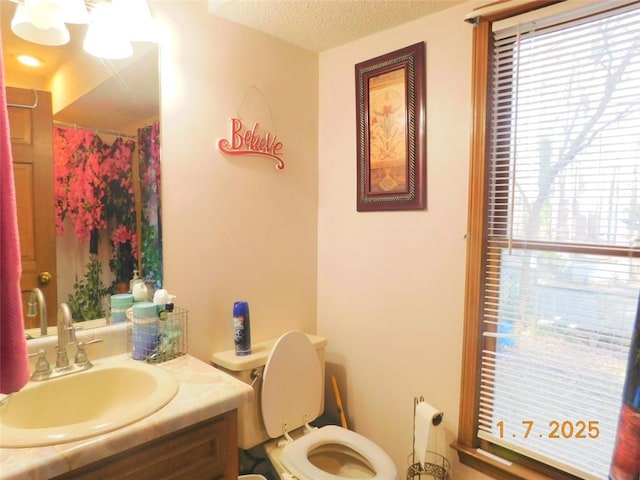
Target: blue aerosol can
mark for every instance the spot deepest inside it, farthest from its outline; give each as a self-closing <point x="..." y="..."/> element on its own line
<point x="242" y="328"/>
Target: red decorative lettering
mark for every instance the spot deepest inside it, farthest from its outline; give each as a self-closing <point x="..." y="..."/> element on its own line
<point x="236" y="128"/>
<point x="251" y="143"/>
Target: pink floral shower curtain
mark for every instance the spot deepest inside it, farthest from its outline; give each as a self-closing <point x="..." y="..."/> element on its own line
<point x="94" y="189"/>
<point x="150" y="187"/>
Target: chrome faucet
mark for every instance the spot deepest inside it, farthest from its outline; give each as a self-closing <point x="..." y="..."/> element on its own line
<point x="37" y="299"/>
<point x="66" y="335"/>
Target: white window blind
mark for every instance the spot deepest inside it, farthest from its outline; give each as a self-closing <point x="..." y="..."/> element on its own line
<point x="562" y="255"/>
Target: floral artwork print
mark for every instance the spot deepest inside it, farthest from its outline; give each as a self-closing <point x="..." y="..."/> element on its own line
<point x="387" y="133"/>
<point x="391" y="131"/>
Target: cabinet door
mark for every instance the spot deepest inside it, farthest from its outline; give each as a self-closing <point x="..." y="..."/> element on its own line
<point x="204" y="451"/>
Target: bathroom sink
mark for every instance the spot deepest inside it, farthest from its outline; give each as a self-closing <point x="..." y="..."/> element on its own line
<point x="106" y="397"/>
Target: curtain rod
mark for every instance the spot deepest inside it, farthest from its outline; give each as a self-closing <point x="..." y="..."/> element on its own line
<point x="96" y="130"/>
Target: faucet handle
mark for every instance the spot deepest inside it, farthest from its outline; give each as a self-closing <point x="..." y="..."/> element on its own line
<point x="42" y="366"/>
<point x="81" y="358"/>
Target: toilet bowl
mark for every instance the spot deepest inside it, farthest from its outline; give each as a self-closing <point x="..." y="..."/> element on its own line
<point x="332" y="452"/>
<point x="290" y="397"/>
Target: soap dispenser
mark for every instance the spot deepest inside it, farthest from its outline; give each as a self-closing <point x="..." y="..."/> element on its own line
<point x="135" y="280"/>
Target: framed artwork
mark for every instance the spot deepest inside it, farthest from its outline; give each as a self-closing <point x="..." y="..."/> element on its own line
<point x="391" y="126"/>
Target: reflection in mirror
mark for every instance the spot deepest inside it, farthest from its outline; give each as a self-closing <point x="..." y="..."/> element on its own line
<point x="101" y="157"/>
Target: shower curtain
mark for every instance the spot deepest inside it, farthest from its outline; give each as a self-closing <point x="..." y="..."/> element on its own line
<point x="95" y="197"/>
<point x="95" y="191"/>
<point x="150" y="187"/>
<point x="625" y="462"/>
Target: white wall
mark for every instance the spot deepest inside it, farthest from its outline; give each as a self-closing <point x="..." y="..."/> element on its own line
<point x="234" y="227"/>
<point x="391" y="284"/>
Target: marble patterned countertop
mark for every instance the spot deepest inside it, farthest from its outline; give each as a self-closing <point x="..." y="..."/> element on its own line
<point x="204" y="392"/>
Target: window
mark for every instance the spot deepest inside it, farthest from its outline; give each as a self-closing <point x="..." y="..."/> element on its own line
<point x="553" y="270"/>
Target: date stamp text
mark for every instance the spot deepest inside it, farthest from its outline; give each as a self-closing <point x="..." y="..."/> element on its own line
<point x="554" y="429"/>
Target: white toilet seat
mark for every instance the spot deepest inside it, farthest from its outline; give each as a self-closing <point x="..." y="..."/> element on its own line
<point x="292" y="391"/>
<point x="295" y="455"/>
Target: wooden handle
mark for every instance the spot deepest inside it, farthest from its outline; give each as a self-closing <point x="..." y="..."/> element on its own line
<point x="336" y="393"/>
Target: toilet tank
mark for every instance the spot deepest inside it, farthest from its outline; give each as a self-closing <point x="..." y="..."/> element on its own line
<point x="251" y="430"/>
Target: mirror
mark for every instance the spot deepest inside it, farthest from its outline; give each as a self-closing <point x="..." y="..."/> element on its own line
<point x="111" y="105"/>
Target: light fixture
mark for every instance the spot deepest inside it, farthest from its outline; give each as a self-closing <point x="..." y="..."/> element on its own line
<point x="102" y="40"/>
<point x="135" y="20"/>
<point x="29" y="60"/>
<point x="44" y="13"/>
<point x="49" y="30"/>
<point x="74" y="11"/>
<point x="113" y="24"/>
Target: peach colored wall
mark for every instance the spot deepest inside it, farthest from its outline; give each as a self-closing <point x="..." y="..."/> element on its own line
<point x="386" y="289"/>
<point x="391" y="284"/>
<point x="235" y="227"/>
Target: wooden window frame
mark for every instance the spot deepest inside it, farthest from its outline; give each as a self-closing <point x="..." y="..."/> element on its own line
<point x="517" y="466"/>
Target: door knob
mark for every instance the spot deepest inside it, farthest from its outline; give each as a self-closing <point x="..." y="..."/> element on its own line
<point x="44" y="277"/>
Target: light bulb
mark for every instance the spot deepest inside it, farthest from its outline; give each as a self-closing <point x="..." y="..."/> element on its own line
<point x="29" y="60"/>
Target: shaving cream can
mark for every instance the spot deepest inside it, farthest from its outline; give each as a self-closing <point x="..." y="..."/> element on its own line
<point x="242" y="328"/>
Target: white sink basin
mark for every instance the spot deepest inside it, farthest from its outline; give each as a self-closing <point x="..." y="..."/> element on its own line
<point x="106" y="397"/>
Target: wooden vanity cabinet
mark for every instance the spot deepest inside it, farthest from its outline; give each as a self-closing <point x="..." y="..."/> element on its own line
<point x="205" y="451"/>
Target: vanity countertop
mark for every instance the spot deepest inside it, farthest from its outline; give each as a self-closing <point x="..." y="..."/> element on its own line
<point x="204" y="392"/>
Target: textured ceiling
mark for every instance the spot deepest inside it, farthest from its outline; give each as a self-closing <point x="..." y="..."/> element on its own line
<point x="318" y="25"/>
<point x="315" y="25"/>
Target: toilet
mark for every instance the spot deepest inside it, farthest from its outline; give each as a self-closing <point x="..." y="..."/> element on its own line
<point x="288" y="377"/>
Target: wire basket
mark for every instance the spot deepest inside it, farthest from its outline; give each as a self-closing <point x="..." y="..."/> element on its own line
<point x="161" y="338"/>
<point x="435" y="467"/>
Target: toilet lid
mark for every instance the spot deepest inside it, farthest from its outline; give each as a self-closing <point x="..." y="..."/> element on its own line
<point x="291" y="384"/>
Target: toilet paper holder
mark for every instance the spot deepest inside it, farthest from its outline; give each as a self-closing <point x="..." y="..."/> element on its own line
<point x="435" y="466"/>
